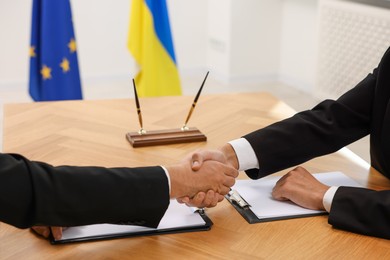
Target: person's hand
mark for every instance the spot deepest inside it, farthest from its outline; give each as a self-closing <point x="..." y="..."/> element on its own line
<point x="300" y="187"/>
<point x="224" y="155"/>
<point x="45" y="231"/>
<point x="202" y="199"/>
<point x="211" y="175"/>
<point x="230" y="155"/>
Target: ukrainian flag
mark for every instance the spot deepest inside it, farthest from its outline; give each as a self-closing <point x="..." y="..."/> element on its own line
<point x="54" y="72"/>
<point x="150" y="42"/>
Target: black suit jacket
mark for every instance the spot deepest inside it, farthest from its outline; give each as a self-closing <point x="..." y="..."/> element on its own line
<point x="326" y="128"/>
<point x="35" y="193"/>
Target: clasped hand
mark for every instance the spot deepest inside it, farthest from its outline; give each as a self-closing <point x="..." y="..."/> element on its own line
<point x="203" y="177"/>
<point x="200" y="179"/>
<point x="298" y="185"/>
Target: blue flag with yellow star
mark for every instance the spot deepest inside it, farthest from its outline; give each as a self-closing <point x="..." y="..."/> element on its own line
<point x="54" y="72"/>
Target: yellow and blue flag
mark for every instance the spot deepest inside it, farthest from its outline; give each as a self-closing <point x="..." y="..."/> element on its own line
<point x="54" y="72"/>
<point x="150" y="42"/>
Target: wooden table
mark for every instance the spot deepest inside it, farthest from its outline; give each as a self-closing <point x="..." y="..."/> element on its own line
<point x="93" y="133"/>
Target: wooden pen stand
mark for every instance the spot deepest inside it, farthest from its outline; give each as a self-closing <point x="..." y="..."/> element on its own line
<point x="161" y="137"/>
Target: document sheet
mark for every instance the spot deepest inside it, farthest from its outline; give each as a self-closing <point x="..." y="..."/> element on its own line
<point x="176" y="216"/>
<point x="258" y="193"/>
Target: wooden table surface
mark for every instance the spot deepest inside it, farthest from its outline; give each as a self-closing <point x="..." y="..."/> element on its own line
<point x="93" y="133"/>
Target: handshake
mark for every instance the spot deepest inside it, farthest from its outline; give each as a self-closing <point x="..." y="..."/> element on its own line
<point x="203" y="177"/>
<point x="200" y="179"/>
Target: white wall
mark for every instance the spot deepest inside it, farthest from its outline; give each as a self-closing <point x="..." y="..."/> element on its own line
<point x="189" y="22"/>
<point x="238" y="40"/>
<point x="244" y="39"/>
<point x="264" y="40"/>
<point x="101" y="29"/>
<point x="15" y="24"/>
<point x="219" y="37"/>
<point x="298" y="52"/>
<point x="256" y="27"/>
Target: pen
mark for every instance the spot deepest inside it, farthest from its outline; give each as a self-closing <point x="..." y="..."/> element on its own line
<point x="184" y="128"/>
<point x="141" y="131"/>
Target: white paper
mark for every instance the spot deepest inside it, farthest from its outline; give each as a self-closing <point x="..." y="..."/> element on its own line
<point x="258" y="193"/>
<point x="177" y="215"/>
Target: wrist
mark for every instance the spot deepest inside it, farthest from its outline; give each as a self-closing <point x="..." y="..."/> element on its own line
<point x="230" y="155"/>
<point x="177" y="185"/>
<point x="320" y="197"/>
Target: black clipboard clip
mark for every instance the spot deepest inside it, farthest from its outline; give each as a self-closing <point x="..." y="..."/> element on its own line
<point x="201" y="211"/>
<point x="236" y="198"/>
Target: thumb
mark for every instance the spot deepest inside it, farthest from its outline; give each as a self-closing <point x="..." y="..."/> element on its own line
<point x="201" y="156"/>
<point x="197" y="161"/>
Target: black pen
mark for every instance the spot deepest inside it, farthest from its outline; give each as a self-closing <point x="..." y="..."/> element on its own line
<point x="141" y="131"/>
<point x="194" y="104"/>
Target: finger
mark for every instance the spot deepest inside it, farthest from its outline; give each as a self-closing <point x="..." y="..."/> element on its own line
<point x="56" y="232"/>
<point x="183" y="200"/>
<point x="277" y="194"/>
<point x="230" y="171"/>
<point x="229" y="182"/>
<point x="42" y="231"/>
<point x="197" y="161"/>
<point x="223" y="190"/>
<point x="197" y="200"/>
<point x="282" y="179"/>
<point x="208" y="200"/>
<point x="220" y="197"/>
<point x="214" y="198"/>
<point x="281" y="198"/>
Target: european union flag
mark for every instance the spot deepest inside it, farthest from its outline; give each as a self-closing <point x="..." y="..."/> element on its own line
<point x="54" y="72"/>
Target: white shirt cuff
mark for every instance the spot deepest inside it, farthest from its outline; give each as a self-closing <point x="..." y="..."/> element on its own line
<point x="245" y="154"/>
<point x="328" y="198"/>
<point x="169" y="179"/>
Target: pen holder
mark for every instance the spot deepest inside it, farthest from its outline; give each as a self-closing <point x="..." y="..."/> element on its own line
<point x="162" y="137"/>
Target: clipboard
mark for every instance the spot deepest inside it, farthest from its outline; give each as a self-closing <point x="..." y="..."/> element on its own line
<point x="246" y="212"/>
<point x="177" y="219"/>
<point x="253" y="199"/>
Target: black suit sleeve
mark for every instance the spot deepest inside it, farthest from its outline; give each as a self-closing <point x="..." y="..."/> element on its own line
<point x="362" y="211"/>
<point x="326" y="128"/>
<point x="35" y="193"/>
